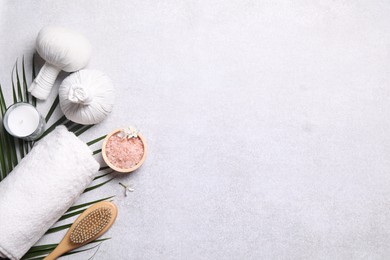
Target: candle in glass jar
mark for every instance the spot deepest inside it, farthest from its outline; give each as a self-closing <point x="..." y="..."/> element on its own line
<point x="24" y="121"/>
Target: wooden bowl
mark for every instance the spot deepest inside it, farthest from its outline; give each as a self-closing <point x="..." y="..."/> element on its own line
<point x="115" y="168"/>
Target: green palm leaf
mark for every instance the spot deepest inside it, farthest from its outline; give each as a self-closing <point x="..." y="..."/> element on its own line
<point x="33" y="76"/>
<point x="101" y="176"/>
<point x="83" y="129"/>
<point x="96" y="140"/>
<point x="46" y="249"/>
<point x="87" y="204"/>
<point x="74" y="127"/>
<point x="26" y="94"/>
<point x="98" y="185"/>
<point x="97" y="151"/>
<point x="52" y="108"/>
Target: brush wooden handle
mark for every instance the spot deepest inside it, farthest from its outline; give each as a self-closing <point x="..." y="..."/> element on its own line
<point x="59" y="251"/>
<point x="67" y="245"/>
<point x="64" y="246"/>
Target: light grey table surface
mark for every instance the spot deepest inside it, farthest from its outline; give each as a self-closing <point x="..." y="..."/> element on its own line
<point x="268" y="122"/>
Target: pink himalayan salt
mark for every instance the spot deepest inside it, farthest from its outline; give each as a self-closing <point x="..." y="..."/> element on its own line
<point x="124" y="153"/>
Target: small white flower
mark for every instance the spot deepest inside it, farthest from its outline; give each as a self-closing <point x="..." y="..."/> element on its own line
<point x="127" y="188"/>
<point x="129" y="132"/>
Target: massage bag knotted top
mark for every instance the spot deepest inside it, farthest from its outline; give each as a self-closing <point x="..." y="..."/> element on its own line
<point x="41" y="188"/>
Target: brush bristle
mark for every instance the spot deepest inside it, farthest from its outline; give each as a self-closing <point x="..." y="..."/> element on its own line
<point x="91" y="225"/>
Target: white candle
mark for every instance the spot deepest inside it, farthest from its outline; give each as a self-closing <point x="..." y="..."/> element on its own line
<point x="22" y="120"/>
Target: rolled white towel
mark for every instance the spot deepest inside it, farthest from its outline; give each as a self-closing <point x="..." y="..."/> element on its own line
<point x="41" y="188"/>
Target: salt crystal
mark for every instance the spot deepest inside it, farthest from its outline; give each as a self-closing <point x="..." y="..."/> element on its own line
<point x="124" y="153"/>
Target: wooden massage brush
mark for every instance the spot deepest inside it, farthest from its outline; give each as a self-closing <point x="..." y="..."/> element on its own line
<point x="91" y="224"/>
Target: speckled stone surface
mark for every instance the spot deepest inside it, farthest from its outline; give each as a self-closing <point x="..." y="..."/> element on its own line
<point x="267" y="123"/>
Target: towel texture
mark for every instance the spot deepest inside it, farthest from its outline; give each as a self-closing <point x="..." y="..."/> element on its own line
<point x="41" y="188"/>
